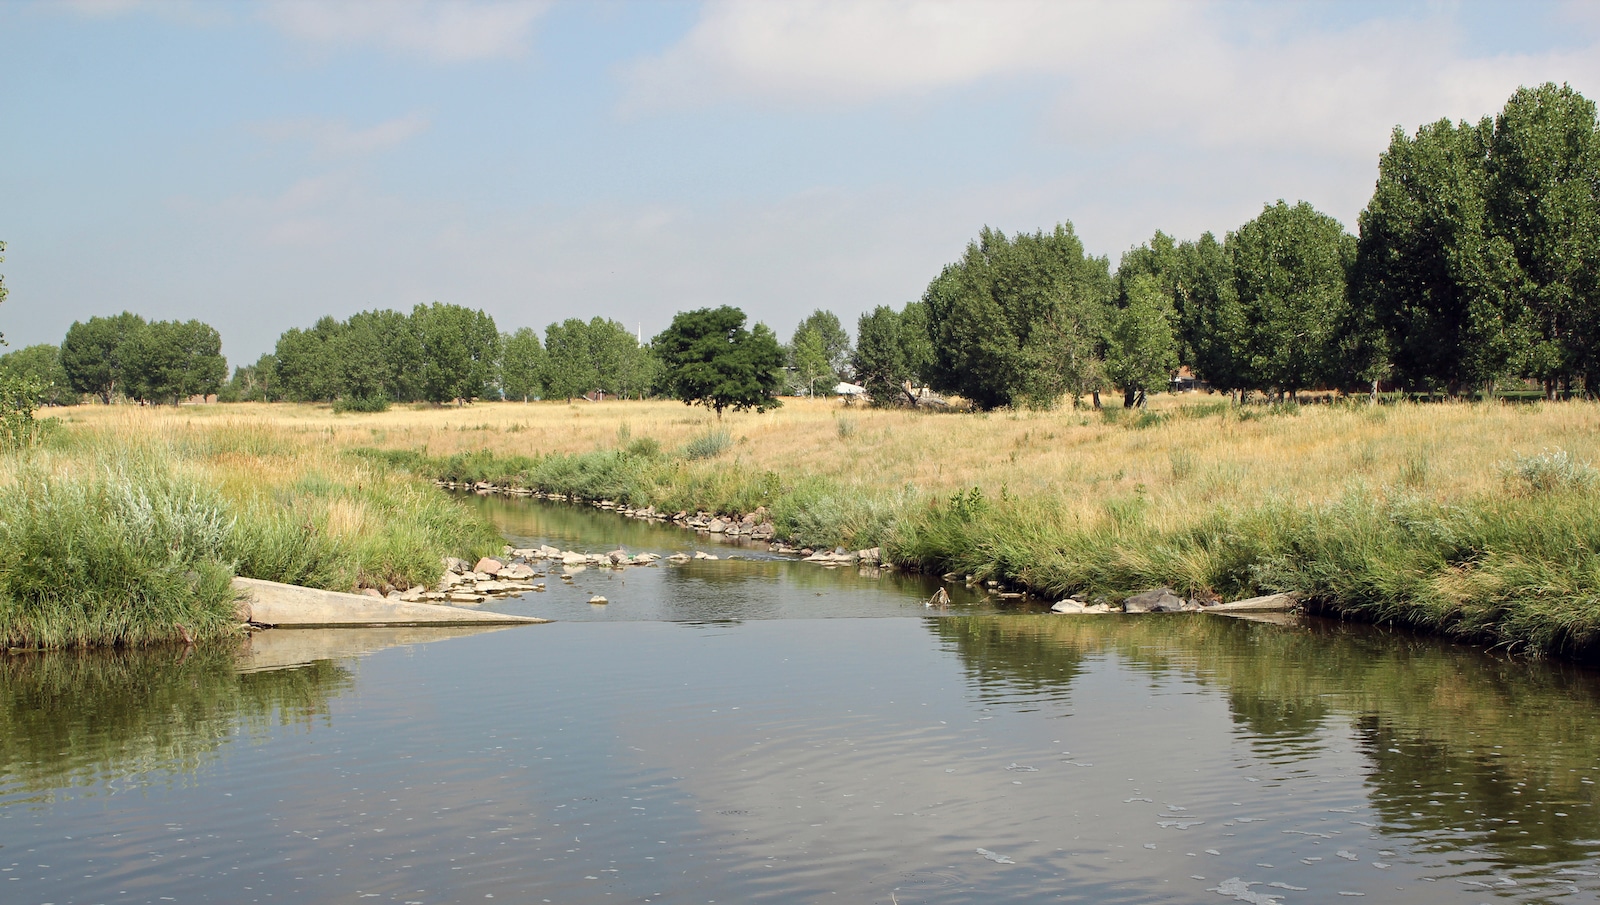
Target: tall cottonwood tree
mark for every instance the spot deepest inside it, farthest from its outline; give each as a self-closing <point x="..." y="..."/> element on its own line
<point x="460" y="350"/>
<point x="521" y="362"/>
<point x="1017" y="321"/>
<point x="1289" y="270"/>
<point x="94" y="354"/>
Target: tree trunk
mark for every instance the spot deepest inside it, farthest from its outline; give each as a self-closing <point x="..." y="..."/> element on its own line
<point x="1096" y="400"/>
<point x="1128" y="398"/>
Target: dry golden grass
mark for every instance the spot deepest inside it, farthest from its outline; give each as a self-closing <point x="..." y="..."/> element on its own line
<point x="1440" y="452"/>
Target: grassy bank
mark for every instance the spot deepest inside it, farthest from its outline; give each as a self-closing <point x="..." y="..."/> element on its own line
<point x="127" y="530"/>
<point x="1474" y="521"/>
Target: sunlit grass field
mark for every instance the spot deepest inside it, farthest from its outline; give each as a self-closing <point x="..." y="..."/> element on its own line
<point x="1475" y="520"/>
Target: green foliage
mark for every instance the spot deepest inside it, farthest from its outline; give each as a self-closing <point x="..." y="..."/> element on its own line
<point x="709" y="358"/>
<point x="365" y="404"/>
<point x="94" y="354"/>
<point x="253" y="383"/>
<point x="1018" y="321"/>
<point x="1289" y="267"/>
<point x="128" y="556"/>
<point x="171" y="361"/>
<point x="708" y="445"/>
<point x="19" y="397"/>
<point x="1141" y="346"/>
<point x="306" y="363"/>
<point x="459" y="349"/>
<point x="521" y="363"/>
<point x="819" y="352"/>
<point x="892" y="349"/>
<point x="41" y="364"/>
<point x="569" y="366"/>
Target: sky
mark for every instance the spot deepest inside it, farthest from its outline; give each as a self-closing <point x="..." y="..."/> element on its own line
<point x="257" y="165"/>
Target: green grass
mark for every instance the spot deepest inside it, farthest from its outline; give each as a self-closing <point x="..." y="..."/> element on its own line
<point x="117" y="541"/>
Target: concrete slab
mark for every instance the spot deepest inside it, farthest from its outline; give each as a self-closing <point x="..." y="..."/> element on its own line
<point x="274" y="604"/>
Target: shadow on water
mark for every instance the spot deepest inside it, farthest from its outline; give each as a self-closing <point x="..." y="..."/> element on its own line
<point x="1463" y="748"/>
<point x="86" y="718"/>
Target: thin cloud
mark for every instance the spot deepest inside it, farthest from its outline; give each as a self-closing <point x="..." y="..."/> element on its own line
<point x="445" y="32"/>
<point x="337" y="138"/>
<point x="1205" y="75"/>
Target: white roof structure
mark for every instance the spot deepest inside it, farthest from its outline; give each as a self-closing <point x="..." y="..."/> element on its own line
<point x="849" y="389"/>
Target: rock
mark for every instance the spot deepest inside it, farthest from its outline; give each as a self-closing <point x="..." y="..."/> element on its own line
<point x="678" y="557"/>
<point x="617" y="557"/>
<point x="372" y="592"/>
<point x="574" y="559"/>
<point x="492" y="587"/>
<point x="1068" y="606"/>
<point x="412" y="595"/>
<point x="517" y="572"/>
<point x="597" y="599"/>
<point x="1155" y="600"/>
<point x="548" y="552"/>
<point x="717" y="526"/>
<point x="392" y="595"/>
<point x="872" y="554"/>
<point x="644" y="559"/>
<point x="1012" y="595"/>
<point x="459" y="597"/>
<point x="452" y="564"/>
<point x="1269" y="603"/>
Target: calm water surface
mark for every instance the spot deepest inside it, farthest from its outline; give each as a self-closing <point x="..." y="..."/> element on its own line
<point x="756" y="730"/>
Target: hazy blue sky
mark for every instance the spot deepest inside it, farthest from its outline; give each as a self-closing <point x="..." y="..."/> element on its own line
<point x="257" y="165"/>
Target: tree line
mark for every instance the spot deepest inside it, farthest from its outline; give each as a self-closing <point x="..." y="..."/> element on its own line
<point x="1477" y="263"/>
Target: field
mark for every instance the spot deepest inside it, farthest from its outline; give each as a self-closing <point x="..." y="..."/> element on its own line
<point x="1476" y="520"/>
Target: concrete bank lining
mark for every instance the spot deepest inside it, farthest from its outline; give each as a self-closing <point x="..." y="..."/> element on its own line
<point x="274" y="604"/>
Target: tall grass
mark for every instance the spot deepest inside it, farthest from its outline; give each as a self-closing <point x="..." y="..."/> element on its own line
<point x="114" y="535"/>
<point x="1467" y="519"/>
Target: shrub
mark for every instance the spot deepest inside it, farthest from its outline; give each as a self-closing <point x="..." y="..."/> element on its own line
<point x="708" y="445"/>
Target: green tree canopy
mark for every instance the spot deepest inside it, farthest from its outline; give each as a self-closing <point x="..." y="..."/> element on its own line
<point x="459" y="350"/>
<point x="569" y="366"/>
<point x="880" y="357"/>
<point x="169" y="361"/>
<point x="306" y="362"/>
<point x="709" y="358"/>
<point x="1289" y="269"/>
<point x="1018" y="321"/>
<point x="94" y="353"/>
<point x="819" y="351"/>
<point x="1141" y="345"/>
<point x="521" y="362"/>
<point x="41" y="364"/>
<point x="1543" y="201"/>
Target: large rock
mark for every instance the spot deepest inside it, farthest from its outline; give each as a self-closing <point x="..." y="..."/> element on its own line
<point x="488" y="566"/>
<point x="1155" y="600"/>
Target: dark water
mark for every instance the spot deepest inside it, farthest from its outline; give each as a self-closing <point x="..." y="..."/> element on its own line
<point x="725" y="732"/>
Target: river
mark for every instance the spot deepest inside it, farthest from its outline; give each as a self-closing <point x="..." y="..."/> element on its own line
<point x="755" y="729"/>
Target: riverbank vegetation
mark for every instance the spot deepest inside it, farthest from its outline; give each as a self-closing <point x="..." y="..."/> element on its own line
<point x="1473" y="520"/>
<point x="128" y="530"/>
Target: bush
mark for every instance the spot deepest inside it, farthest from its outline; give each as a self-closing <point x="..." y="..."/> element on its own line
<point x="362" y="404"/>
<point x="1548" y="472"/>
<point x="708" y="445"/>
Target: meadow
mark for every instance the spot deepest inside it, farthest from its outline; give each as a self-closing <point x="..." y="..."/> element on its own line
<point x="1473" y="520"/>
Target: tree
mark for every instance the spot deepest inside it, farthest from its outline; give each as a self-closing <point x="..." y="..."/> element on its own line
<point x="306" y="362"/>
<point x="1542" y="201"/>
<point x="1141" y="346"/>
<point x="93" y="353"/>
<point x="41" y="364"/>
<point x="621" y="365"/>
<point x="521" y="361"/>
<point x="819" y="351"/>
<point x="1426" y="273"/>
<point x="1017" y="321"/>
<point x="252" y="383"/>
<point x="171" y="361"/>
<point x="569" y="368"/>
<point x="459" y="349"/>
<point x="808" y="358"/>
<point x="709" y="358"/>
<point x="380" y="357"/>
<point x="1289" y="269"/>
<point x="880" y="357"/>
